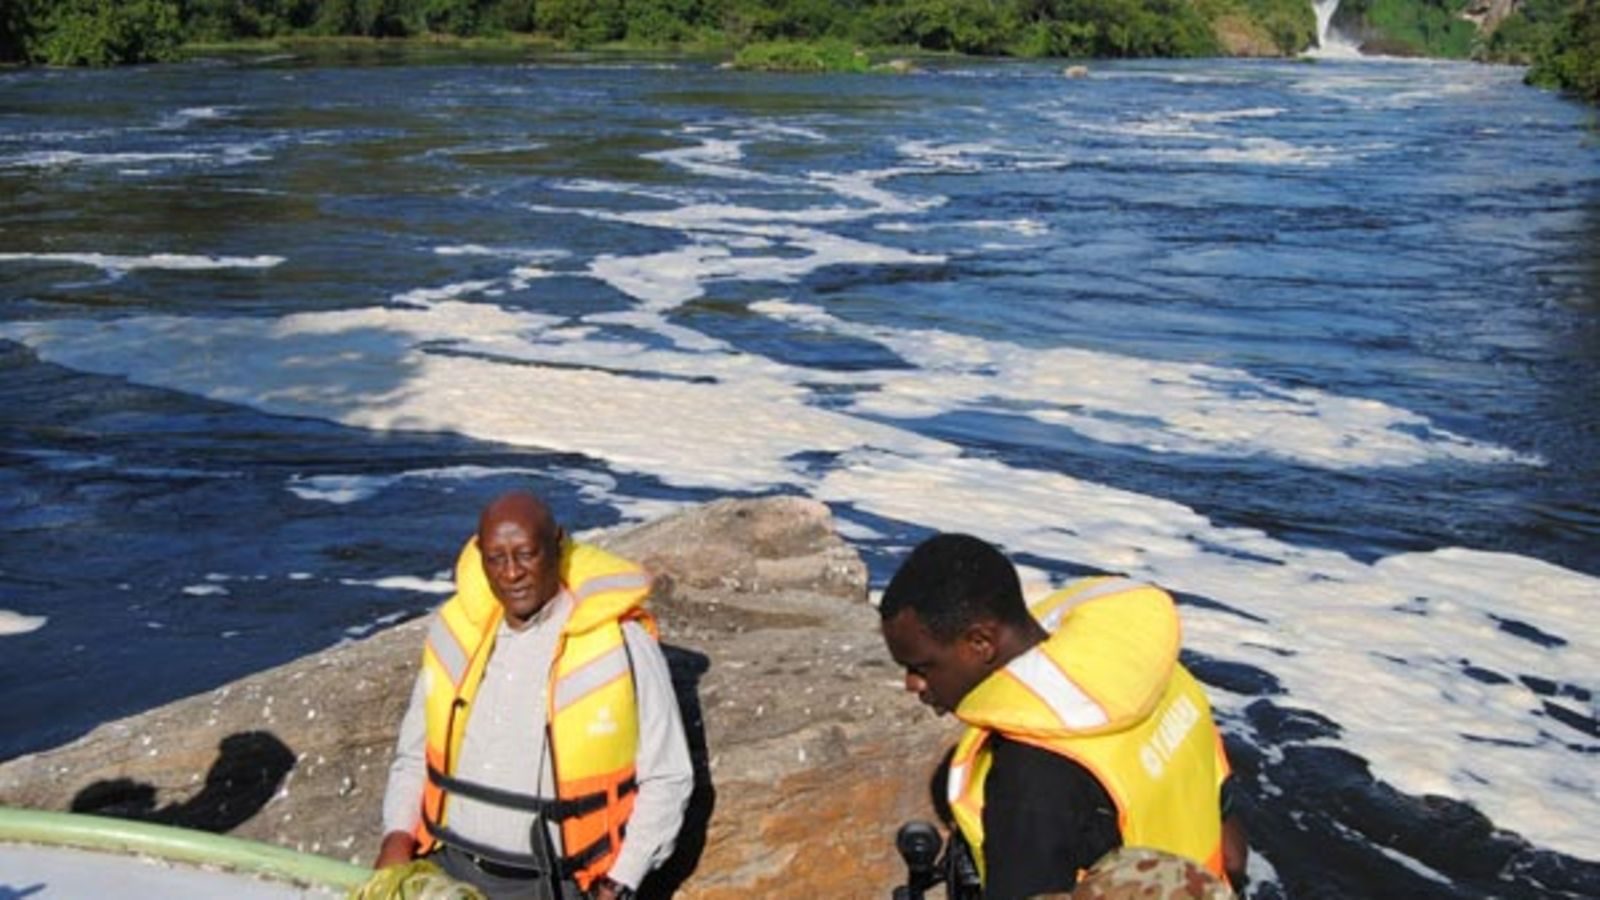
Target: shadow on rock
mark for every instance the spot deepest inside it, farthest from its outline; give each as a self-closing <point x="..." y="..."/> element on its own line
<point x="249" y="768"/>
<point x="687" y="667"/>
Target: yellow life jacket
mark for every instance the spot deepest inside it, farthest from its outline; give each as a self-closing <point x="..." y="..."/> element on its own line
<point x="1105" y="690"/>
<point x="592" y="717"/>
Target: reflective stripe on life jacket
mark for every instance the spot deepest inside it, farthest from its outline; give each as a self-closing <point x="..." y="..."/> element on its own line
<point x="592" y="716"/>
<point x="1106" y="691"/>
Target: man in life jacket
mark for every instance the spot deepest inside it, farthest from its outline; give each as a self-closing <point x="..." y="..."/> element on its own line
<point x="1084" y="732"/>
<point x="543" y="755"/>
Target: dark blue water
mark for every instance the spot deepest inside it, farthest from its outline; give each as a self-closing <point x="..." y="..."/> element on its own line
<point x="1318" y="346"/>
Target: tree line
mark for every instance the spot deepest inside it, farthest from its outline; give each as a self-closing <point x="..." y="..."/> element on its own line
<point x="1560" y="39"/>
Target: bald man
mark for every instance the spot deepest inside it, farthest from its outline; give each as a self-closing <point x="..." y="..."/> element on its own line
<point x="543" y="755"/>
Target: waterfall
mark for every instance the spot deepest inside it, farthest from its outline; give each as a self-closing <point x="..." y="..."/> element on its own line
<point x="1330" y="42"/>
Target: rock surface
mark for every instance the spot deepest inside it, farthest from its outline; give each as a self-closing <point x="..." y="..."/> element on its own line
<point x="808" y="752"/>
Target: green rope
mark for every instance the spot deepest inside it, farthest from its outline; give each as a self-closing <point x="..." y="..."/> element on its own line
<point x="32" y="826"/>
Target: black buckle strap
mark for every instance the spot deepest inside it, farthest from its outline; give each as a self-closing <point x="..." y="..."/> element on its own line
<point x="552" y="809"/>
<point x="577" y="862"/>
<point x="531" y="866"/>
<point x="526" y="865"/>
<point x="541" y="807"/>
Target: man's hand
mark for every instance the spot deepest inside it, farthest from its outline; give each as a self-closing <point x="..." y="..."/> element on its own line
<point x="607" y="889"/>
<point x="398" y="847"/>
<point x="1235" y="851"/>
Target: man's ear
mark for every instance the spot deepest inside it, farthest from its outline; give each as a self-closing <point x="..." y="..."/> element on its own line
<point x="981" y="639"/>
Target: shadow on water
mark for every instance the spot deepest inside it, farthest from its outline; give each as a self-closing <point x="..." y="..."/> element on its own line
<point x="687" y="667"/>
<point x="249" y="768"/>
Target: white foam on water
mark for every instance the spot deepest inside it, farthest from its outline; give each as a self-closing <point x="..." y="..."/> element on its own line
<point x="977" y="157"/>
<point x="368" y="369"/>
<point x="666" y="280"/>
<point x="135" y="162"/>
<point x="58" y="461"/>
<point x="488" y="148"/>
<point x="205" y="590"/>
<point x="59" y="159"/>
<point x="61" y="461"/>
<point x="1402" y="83"/>
<point x="179" y="262"/>
<point x="1167" y="407"/>
<point x="1024" y="227"/>
<point x="527" y="254"/>
<point x="429" y="296"/>
<point x="341" y="490"/>
<point x="1235" y="115"/>
<point x="13" y="623"/>
<point x="1171" y="124"/>
<point x="35" y="138"/>
<point x="1154" y="133"/>
<point x="190" y="115"/>
<point x="1271" y="152"/>
<point x="600" y="489"/>
<point x="1410" y="862"/>
<point x="729" y="241"/>
<point x="713" y="158"/>
<point x="442" y="583"/>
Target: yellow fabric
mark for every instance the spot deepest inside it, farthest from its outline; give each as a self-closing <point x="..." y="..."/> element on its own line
<point x="1139" y="721"/>
<point x="592" y="715"/>
<point x="419" y="879"/>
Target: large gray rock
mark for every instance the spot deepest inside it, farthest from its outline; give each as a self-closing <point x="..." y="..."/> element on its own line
<point x="809" y="753"/>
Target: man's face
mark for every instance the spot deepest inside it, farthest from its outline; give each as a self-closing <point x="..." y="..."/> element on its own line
<point x="939" y="673"/>
<point x="523" y="571"/>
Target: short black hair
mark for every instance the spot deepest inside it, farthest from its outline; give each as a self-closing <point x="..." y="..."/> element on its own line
<point x="953" y="580"/>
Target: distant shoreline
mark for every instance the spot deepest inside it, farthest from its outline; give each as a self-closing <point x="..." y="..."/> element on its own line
<point x="783" y="56"/>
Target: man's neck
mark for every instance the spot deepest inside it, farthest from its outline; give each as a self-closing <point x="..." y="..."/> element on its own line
<point x="1014" y="642"/>
<point x="541" y="616"/>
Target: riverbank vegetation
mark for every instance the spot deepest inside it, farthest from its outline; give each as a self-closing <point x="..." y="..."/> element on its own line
<point x="1560" y="39"/>
<point x="1563" y="45"/>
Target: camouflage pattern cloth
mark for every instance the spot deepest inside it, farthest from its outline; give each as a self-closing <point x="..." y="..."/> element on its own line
<point x="1139" y="873"/>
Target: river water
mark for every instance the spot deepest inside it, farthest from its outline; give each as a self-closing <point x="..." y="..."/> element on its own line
<point x="1317" y="346"/>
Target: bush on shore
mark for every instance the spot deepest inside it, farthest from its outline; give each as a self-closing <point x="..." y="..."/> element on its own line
<point x="791" y="56"/>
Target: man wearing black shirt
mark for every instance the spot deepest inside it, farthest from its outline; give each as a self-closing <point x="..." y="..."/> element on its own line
<point x="1051" y="816"/>
<point x="1084" y="732"/>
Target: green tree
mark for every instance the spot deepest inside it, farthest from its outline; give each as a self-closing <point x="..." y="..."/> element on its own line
<point x="1413" y="27"/>
<point x="662" y="22"/>
<point x="507" y="15"/>
<point x="459" y="17"/>
<point x="962" y="26"/>
<point x="367" y="18"/>
<point x="106" y="32"/>
<point x="582" y="23"/>
<point x="16" y="28"/>
<point x="1570" y="59"/>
